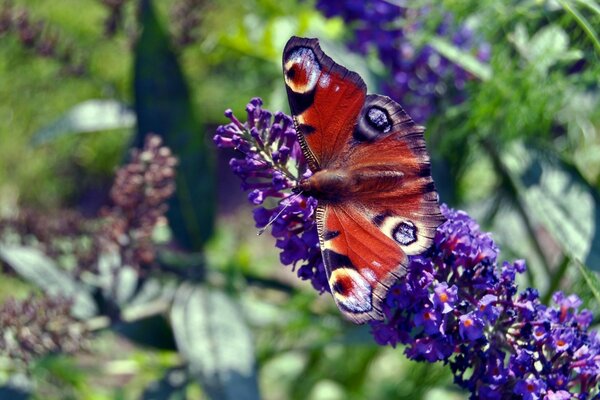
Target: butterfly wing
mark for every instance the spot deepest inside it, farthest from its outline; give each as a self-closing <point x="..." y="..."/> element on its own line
<point x="392" y="213"/>
<point x="389" y="160"/>
<point x="387" y="207"/>
<point x="361" y="262"/>
<point x="325" y="99"/>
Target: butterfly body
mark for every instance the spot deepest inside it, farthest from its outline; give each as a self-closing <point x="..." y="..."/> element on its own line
<point x="377" y="203"/>
<point x="342" y="185"/>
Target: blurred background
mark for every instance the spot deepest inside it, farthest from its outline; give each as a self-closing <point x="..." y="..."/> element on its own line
<point x="105" y="294"/>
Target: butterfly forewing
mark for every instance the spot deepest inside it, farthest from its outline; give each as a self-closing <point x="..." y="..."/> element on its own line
<point x="325" y="99"/>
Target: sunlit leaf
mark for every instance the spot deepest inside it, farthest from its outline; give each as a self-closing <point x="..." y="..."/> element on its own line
<point x="89" y="116"/>
<point x="163" y="106"/>
<point x="545" y="48"/>
<point x="212" y="336"/>
<point x="591" y="279"/>
<point x="557" y="197"/>
<point x="39" y="269"/>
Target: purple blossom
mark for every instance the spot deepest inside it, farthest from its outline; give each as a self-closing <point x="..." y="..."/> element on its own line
<point x="456" y="304"/>
<point x="419" y="76"/>
<point x="443" y="297"/>
<point x="269" y="150"/>
<point x="470" y="326"/>
<point x="530" y="388"/>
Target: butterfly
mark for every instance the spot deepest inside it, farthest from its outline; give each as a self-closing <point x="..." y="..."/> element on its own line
<point x="371" y="176"/>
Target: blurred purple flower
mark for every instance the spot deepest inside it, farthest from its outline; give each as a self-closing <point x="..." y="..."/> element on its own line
<point x="455" y="304"/>
<point x="420" y="76"/>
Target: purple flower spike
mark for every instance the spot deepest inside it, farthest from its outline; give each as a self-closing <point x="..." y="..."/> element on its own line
<point x="456" y="304"/>
<point x="270" y="151"/>
<point x="418" y="76"/>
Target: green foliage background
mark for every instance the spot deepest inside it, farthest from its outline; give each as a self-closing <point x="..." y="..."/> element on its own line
<point x="522" y="154"/>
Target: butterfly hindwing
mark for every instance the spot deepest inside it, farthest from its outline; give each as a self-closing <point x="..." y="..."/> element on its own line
<point x="407" y="209"/>
<point x="358" y="259"/>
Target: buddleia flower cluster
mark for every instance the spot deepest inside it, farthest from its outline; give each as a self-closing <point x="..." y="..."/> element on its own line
<point x="270" y="165"/>
<point x="139" y="195"/>
<point x="418" y="74"/>
<point x="38" y="326"/>
<point x="39" y="37"/>
<point x="456" y="304"/>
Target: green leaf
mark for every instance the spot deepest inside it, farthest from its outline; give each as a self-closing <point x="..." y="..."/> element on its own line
<point x="582" y="21"/>
<point x="211" y="334"/>
<point x="163" y="106"/>
<point x="556" y="196"/>
<point x="462" y="58"/>
<point x="170" y="387"/>
<point x="118" y="282"/>
<point x="153" y="331"/>
<point x="39" y="269"/>
<point x="89" y="116"/>
<point x="591" y="4"/>
<point x="7" y="392"/>
<point x="591" y="279"/>
<point x="545" y="48"/>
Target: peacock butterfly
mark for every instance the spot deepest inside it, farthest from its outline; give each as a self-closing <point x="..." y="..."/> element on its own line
<point x="377" y="202"/>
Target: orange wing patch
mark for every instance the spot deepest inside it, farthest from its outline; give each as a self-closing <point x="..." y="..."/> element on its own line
<point x="360" y="260"/>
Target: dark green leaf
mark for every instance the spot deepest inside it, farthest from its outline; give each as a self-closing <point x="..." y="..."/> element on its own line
<point x="39" y="269"/>
<point x="7" y="392"/>
<point x="163" y="106"/>
<point x="17" y="387"/>
<point x="591" y="279"/>
<point x="170" y="387"/>
<point x="89" y="116"/>
<point x="557" y="197"/>
<point x="212" y="335"/>
<point x="152" y="332"/>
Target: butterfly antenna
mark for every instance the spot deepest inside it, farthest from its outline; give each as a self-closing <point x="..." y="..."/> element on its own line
<point x="293" y="197"/>
<point x="251" y="157"/>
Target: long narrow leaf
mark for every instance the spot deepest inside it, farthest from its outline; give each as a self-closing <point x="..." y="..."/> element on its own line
<point x="583" y="23"/>
<point x="461" y="58"/>
<point x="163" y="106"/>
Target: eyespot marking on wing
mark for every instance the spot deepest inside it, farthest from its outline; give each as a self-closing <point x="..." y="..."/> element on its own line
<point x="405" y="233"/>
<point x="302" y="70"/>
<point x="412" y="235"/>
<point x="379" y="119"/>
<point x="351" y="290"/>
<point x="374" y="120"/>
